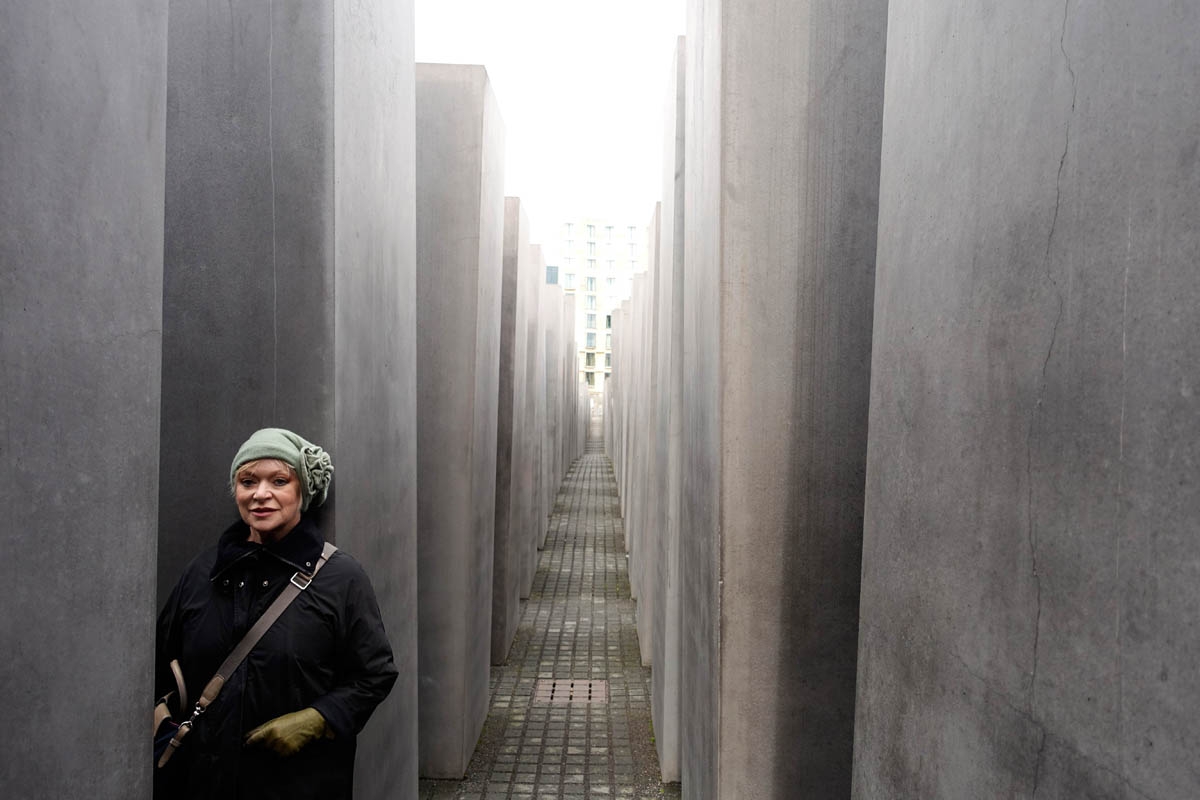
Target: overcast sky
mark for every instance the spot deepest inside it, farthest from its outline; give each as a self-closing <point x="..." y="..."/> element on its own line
<point x="581" y="85"/>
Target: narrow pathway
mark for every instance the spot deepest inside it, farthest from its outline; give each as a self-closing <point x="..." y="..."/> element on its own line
<point x="570" y="711"/>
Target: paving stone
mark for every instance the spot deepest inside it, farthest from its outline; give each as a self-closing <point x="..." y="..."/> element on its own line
<point x="578" y="624"/>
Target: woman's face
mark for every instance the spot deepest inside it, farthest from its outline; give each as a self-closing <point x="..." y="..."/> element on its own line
<point x="268" y="498"/>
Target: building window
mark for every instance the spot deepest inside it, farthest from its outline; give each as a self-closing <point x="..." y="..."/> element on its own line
<point x="608" y="341"/>
<point x="591" y="378"/>
<point x="591" y="232"/>
<point x="611" y="266"/>
<point x="608" y="321"/>
<point x="610" y="282"/>
<point x="633" y="265"/>
<point x="551" y="274"/>
<point x="591" y="248"/>
<point x="608" y="359"/>
<point x="591" y="321"/>
<point x="568" y="227"/>
<point x="609" y="228"/>
<point x="632" y="233"/>
<point x="632" y="250"/>
<point x="590" y="302"/>
<point x="567" y="262"/>
<point x="589" y="359"/>
<point x="591" y="340"/>
<point x="591" y="284"/>
<point x="591" y="265"/>
<point x="569" y="280"/>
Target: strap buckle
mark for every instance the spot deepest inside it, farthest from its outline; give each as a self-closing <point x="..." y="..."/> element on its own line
<point x="300" y="576"/>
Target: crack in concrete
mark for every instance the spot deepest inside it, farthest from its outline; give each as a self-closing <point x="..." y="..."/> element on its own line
<point x="1067" y="136"/>
<point x="1037" y="767"/>
<point x="1003" y="697"/>
<point x="1032" y="531"/>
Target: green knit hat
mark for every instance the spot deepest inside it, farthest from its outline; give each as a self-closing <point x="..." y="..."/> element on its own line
<point x="312" y="464"/>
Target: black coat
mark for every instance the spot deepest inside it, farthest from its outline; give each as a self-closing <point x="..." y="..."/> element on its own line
<point x="328" y="650"/>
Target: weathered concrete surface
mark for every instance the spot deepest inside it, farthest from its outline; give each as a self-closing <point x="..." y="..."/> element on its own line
<point x="614" y="396"/>
<point x="568" y="366"/>
<point x="376" y="356"/>
<point x="82" y="88"/>
<point x="460" y="242"/>
<point x="643" y="565"/>
<point x="288" y="291"/>
<point x="550" y="313"/>
<point x="620" y="423"/>
<point x="1029" y="567"/>
<point x="783" y="129"/>
<point x="535" y="418"/>
<point x="513" y="454"/>
<point x="667" y="426"/>
<point x="248" y="274"/>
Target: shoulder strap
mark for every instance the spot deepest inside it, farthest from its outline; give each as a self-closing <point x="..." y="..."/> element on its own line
<point x="296" y="585"/>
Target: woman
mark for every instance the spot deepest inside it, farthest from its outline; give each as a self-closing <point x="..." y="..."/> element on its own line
<point x="284" y="724"/>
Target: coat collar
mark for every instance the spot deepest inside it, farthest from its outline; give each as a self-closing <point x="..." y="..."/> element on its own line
<point x="299" y="550"/>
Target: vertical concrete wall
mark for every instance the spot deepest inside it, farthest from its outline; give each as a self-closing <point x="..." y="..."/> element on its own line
<point x="635" y="454"/>
<point x="82" y="86"/>
<point x="513" y="454"/>
<point x="460" y="230"/>
<point x="667" y="408"/>
<point x="623" y="366"/>
<point x="644" y="561"/>
<point x="783" y="130"/>
<point x="375" y="354"/>
<point x="569" y="368"/>
<point x="614" y="406"/>
<point x="534" y="411"/>
<point x="1029" y="565"/>
<point x="288" y="291"/>
<point x="550" y="310"/>
<point x="248" y="308"/>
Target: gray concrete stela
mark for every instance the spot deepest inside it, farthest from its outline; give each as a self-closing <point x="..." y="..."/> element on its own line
<point x="577" y="626"/>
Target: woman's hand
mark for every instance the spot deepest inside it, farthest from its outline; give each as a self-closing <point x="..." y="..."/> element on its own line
<point x="286" y="735"/>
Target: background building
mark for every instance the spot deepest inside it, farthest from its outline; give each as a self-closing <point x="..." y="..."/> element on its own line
<point x="596" y="259"/>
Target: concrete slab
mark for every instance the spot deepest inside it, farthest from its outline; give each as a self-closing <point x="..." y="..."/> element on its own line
<point x="1029" y="592"/>
<point x="513" y="461"/>
<point x="783" y="130"/>
<point x="83" y="92"/>
<point x="668" y="407"/>
<point x="288" y="291"/>
<point x="375" y="353"/>
<point x="248" y="335"/>
<point x="553" y="327"/>
<point x="535" y="418"/>
<point x="460" y="230"/>
<point x="569" y="399"/>
<point x="652" y="495"/>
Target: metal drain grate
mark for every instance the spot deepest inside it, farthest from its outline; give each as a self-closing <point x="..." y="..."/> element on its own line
<point x="570" y="692"/>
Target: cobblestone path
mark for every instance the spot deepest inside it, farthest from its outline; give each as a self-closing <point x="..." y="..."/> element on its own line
<point x="576" y="628"/>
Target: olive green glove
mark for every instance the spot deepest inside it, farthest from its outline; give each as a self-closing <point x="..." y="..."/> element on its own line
<point x="287" y="734"/>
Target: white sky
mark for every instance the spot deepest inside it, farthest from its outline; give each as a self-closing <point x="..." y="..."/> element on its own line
<point x="582" y="88"/>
